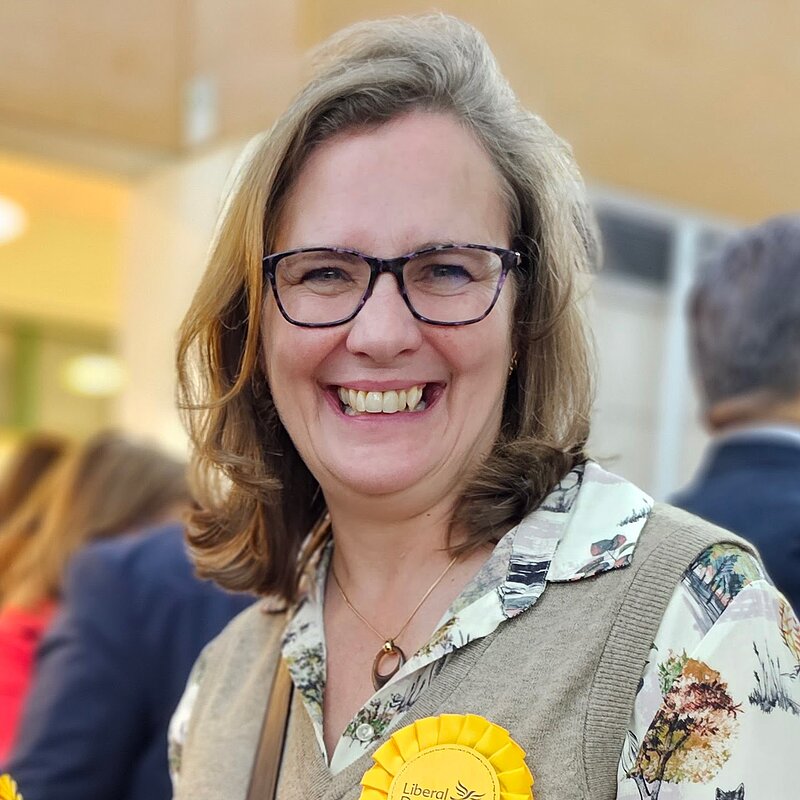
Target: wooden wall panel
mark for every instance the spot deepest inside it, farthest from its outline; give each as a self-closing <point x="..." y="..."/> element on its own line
<point x="252" y="54"/>
<point x="107" y="67"/>
<point x="132" y="71"/>
<point x="695" y="103"/>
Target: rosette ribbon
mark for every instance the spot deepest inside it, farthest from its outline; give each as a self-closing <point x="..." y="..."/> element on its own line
<point x="8" y="789"/>
<point x="449" y="757"/>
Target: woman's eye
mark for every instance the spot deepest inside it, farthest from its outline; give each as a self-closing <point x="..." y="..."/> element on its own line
<point x="447" y="272"/>
<point x="325" y="275"/>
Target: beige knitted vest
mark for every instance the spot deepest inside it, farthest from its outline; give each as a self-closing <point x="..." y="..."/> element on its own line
<point x="561" y="677"/>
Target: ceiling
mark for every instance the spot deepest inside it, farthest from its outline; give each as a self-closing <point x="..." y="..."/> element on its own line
<point x="694" y="104"/>
<point x="158" y="76"/>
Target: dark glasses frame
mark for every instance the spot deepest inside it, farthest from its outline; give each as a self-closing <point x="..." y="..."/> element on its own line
<point x="393" y="266"/>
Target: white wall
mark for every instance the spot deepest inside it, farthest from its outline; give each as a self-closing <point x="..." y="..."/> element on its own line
<point x="172" y="219"/>
<point x="645" y="423"/>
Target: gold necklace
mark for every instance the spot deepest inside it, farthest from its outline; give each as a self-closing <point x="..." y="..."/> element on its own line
<point x="390" y="646"/>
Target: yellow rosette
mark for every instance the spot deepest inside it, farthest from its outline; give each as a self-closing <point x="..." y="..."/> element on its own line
<point x="8" y="789"/>
<point x="449" y="757"/>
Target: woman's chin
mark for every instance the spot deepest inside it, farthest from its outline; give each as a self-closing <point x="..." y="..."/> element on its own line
<point x="375" y="480"/>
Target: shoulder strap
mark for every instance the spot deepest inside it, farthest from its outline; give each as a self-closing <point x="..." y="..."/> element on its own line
<point x="267" y="764"/>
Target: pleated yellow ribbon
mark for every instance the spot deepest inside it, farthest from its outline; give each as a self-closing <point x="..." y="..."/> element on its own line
<point x="461" y="756"/>
<point x="8" y="789"/>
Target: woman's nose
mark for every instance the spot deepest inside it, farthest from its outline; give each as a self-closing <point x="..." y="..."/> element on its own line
<point x="384" y="328"/>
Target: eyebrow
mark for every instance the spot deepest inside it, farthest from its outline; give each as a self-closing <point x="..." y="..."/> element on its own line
<point x="436" y="243"/>
<point x="422" y="246"/>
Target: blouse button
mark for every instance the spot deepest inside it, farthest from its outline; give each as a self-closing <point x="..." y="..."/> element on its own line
<point x="365" y="732"/>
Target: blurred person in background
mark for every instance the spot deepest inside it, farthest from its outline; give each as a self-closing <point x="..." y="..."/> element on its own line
<point x="29" y="463"/>
<point x="133" y="618"/>
<point x="744" y="321"/>
<point x="102" y="488"/>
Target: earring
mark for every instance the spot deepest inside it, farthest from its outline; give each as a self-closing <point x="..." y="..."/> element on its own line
<point x="513" y="365"/>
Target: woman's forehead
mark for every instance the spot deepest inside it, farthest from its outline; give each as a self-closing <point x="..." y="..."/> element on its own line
<point x="422" y="178"/>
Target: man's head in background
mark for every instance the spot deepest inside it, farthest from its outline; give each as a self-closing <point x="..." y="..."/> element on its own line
<point x="744" y="321"/>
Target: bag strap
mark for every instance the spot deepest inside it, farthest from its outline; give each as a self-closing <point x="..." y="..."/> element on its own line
<point x="267" y="764"/>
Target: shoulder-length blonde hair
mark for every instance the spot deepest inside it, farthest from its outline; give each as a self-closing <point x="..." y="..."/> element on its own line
<point x="258" y="500"/>
<point x="33" y="457"/>
<point x="104" y="487"/>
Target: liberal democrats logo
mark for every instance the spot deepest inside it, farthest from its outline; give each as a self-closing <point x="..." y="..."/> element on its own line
<point x="449" y="757"/>
<point x="461" y="792"/>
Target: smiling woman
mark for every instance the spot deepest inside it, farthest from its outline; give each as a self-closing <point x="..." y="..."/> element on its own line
<point x="385" y="377"/>
<point x="358" y="189"/>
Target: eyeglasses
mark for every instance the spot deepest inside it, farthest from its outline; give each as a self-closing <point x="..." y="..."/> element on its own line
<point x="319" y="287"/>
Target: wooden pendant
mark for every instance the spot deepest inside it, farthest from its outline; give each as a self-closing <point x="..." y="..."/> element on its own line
<point x="389" y="649"/>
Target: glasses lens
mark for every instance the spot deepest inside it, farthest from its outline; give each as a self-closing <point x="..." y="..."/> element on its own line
<point x="454" y="284"/>
<point x="321" y="286"/>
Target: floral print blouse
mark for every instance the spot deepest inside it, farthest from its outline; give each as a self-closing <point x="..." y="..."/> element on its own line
<point x="717" y="714"/>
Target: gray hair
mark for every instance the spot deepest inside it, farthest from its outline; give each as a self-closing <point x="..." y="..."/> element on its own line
<point x="745" y="315"/>
<point x="375" y="71"/>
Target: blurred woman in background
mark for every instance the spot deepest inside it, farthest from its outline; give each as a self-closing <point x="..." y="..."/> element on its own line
<point x="30" y="462"/>
<point x="105" y="487"/>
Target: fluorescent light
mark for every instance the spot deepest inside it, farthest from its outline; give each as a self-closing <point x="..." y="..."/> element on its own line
<point x="13" y="220"/>
<point x="93" y="375"/>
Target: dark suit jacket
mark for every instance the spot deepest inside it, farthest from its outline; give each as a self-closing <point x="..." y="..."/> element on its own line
<point x="751" y="485"/>
<point x="112" y="669"/>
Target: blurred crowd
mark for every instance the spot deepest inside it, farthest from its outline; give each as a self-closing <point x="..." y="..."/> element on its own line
<point x="101" y="616"/>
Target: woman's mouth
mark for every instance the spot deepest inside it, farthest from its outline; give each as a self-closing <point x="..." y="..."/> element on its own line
<point x="412" y="399"/>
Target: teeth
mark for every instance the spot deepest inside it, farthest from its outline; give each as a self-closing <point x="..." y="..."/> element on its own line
<point x="360" y="402"/>
<point x="413" y="396"/>
<point x="390" y="403"/>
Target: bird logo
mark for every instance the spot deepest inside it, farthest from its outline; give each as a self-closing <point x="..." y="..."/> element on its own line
<point x="462" y="793"/>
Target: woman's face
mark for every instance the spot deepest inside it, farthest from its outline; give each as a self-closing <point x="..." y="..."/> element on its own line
<point x="419" y="180"/>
